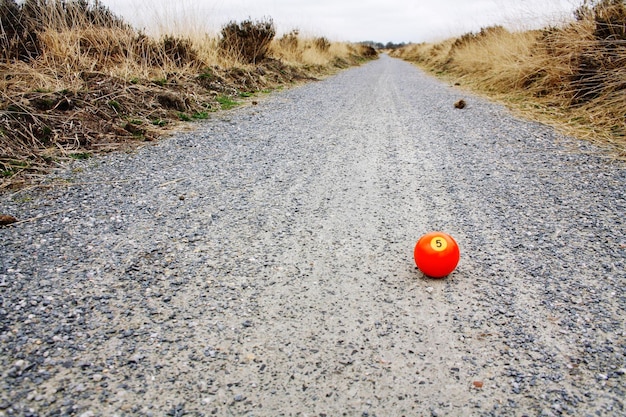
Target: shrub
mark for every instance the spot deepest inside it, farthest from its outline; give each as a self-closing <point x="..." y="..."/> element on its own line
<point x="602" y="62"/>
<point x="21" y="25"/>
<point x="68" y="14"/>
<point x="179" y="51"/>
<point x="367" y="51"/>
<point x="247" y="41"/>
<point x="289" y="41"/>
<point x="321" y="44"/>
<point x="16" y="41"/>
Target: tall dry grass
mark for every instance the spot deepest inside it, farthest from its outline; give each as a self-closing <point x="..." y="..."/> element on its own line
<point x="572" y="76"/>
<point x="77" y="79"/>
<point x="318" y="52"/>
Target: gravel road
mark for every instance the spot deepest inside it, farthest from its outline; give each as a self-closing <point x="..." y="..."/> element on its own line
<point x="263" y="266"/>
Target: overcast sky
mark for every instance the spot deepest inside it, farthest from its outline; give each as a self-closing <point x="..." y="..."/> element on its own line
<point x="349" y="20"/>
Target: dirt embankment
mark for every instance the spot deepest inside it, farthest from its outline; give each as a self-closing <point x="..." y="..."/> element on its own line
<point x="77" y="80"/>
<point x="572" y="77"/>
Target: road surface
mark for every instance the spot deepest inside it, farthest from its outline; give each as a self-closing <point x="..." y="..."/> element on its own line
<point x="262" y="265"/>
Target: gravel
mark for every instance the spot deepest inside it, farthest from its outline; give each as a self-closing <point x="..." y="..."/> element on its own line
<point x="262" y="265"/>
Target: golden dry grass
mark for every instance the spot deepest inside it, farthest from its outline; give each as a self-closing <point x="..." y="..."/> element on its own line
<point x="572" y="77"/>
<point x="317" y="52"/>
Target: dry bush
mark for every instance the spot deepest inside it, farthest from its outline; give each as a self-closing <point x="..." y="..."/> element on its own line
<point x="321" y="44"/>
<point x="289" y="41"/>
<point x="248" y="41"/>
<point x="573" y="76"/>
<point x="289" y="47"/>
<point x="178" y="51"/>
<point x="22" y="24"/>
<point x="365" y="51"/>
<point x="15" y="40"/>
<point x="314" y="55"/>
<point x="59" y="14"/>
<point x="601" y="63"/>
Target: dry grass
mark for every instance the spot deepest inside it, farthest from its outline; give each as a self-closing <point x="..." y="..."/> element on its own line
<point x="572" y="77"/>
<point x="319" y="53"/>
<point x="77" y="80"/>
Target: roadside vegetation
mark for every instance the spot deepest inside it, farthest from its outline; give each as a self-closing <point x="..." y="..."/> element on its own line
<point x="572" y="76"/>
<point x="78" y="80"/>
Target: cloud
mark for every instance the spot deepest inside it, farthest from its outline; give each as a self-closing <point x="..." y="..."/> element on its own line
<point x="393" y="20"/>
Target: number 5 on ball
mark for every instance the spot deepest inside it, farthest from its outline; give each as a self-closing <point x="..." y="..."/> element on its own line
<point x="436" y="254"/>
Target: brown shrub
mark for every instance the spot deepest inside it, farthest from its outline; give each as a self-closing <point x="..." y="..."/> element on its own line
<point x="321" y="44"/>
<point x="289" y="41"/>
<point x="21" y="24"/>
<point x="601" y="65"/>
<point x="248" y="41"/>
<point x="179" y="51"/>
<point x="367" y="51"/>
<point x="16" y="41"/>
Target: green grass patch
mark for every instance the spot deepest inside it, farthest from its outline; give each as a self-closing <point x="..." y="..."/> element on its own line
<point x="80" y="156"/>
<point x="246" y="94"/>
<point x="159" y="122"/>
<point x="46" y="132"/>
<point x="183" y="117"/>
<point x="200" y="115"/>
<point x="115" y="105"/>
<point x="226" y="102"/>
<point x="207" y="75"/>
<point x="13" y="168"/>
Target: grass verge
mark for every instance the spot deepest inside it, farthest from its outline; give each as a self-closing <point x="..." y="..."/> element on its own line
<point x="572" y="77"/>
<point x="77" y="80"/>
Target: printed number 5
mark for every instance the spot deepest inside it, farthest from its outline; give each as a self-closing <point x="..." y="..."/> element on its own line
<point x="438" y="244"/>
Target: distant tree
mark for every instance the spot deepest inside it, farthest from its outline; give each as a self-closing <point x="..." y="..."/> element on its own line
<point x="375" y="45"/>
<point x="391" y="45"/>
